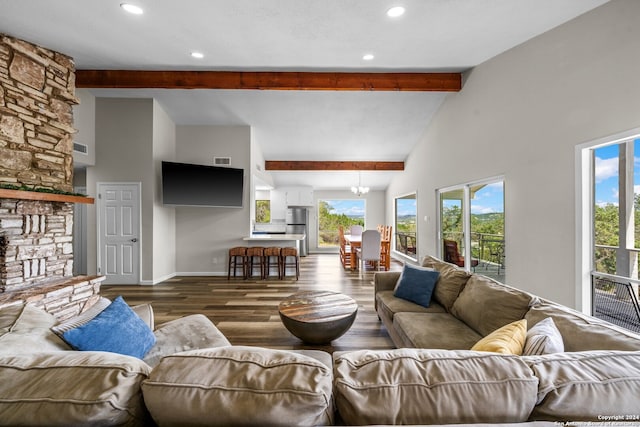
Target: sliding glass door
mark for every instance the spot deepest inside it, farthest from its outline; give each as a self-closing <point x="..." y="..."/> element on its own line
<point x="471" y="226"/>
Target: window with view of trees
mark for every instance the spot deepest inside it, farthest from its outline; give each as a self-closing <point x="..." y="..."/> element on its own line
<point x="335" y="213"/>
<point x="263" y="211"/>
<point x="616" y="206"/>
<point x="406" y="211"/>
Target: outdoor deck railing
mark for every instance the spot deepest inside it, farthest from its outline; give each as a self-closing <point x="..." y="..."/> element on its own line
<point x="406" y="243"/>
<point x="615" y="299"/>
<point x="486" y="248"/>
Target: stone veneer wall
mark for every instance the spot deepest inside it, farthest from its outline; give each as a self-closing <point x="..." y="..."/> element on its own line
<point x="35" y="242"/>
<point x="64" y="300"/>
<point x="37" y="92"/>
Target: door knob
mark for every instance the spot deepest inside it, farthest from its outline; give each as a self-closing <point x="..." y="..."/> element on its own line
<point x="134" y="240"/>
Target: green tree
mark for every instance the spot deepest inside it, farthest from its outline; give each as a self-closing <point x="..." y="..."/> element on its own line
<point x="606" y="233"/>
<point x="329" y="221"/>
<point x="263" y="211"/>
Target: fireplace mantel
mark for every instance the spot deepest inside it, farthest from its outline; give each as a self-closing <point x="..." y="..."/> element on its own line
<point x="47" y="197"/>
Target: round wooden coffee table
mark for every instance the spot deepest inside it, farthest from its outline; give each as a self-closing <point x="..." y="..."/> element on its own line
<point x="318" y="317"/>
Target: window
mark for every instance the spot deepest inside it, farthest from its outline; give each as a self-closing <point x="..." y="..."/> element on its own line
<point x="333" y="213"/>
<point x="616" y="220"/>
<point x="406" y="211"/>
<point x="610" y="225"/>
<point x="263" y="210"/>
<point x="471" y="226"/>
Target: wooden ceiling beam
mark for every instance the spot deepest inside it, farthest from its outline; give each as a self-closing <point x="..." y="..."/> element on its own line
<point x="298" y="165"/>
<point x="267" y="80"/>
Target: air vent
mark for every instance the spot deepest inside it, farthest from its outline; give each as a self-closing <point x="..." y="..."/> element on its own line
<point x="80" y="148"/>
<point x="222" y="161"/>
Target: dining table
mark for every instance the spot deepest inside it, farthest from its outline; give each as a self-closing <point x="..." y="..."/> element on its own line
<point x="354" y="241"/>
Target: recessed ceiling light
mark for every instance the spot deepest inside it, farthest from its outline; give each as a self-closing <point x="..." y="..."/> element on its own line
<point x="132" y="8"/>
<point x="395" y="11"/>
<point x="368" y="57"/>
<point x="197" y="55"/>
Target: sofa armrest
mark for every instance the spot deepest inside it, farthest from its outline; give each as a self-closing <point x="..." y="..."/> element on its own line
<point x="385" y="280"/>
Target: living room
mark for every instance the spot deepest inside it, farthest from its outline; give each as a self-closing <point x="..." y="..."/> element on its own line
<point x="527" y="116"/>
<point x="524" y="112"/>
<point x="521" y="115"/>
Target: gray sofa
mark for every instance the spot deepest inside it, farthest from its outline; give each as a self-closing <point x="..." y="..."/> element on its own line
<point x="193" y="376"/>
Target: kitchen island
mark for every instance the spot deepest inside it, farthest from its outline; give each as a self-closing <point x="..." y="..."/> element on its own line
<point x="262" y="239"/>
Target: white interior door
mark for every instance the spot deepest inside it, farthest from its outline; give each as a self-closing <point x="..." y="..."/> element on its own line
<point x="119" y="232"/>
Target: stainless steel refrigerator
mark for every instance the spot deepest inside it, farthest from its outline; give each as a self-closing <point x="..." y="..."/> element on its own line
<point x="297" y="223"/>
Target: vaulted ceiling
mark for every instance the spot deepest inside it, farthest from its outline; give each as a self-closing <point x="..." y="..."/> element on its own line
<point x="308" y="36"/>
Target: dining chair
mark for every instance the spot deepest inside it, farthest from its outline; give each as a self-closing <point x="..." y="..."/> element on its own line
<point x="369" y="250"/>
<point x="356" y="230"/>
<point x="345" y="249"/>
<point x="385" y="246"/>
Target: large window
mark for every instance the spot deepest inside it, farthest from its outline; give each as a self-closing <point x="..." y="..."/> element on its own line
<point x="405" y="225"/>
<point x="616" y="220"/>
<point x="471" y="225"/>
<point x="613" y="216"/>
<point x="332" y="214"/>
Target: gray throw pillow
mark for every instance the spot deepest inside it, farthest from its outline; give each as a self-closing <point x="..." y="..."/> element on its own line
<point x="543" y="338"/>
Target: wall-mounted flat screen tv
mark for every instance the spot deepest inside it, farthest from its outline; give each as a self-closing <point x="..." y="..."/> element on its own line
<point x="197" y="185"/>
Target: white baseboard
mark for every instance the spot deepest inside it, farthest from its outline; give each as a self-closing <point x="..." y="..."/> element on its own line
<point x="201" y="273"/>
<point x="156" y="281"/>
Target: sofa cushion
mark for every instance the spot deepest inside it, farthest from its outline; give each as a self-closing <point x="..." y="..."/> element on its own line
<point x="115" y="329"/>
<point x="390" y="305"/>
<point x="595" y="386"/>
<point x="433" y="262"/>
<point x="83" y="318"/>
<point x="27" y="329"/>
<point x="581" y="332"/>
<point x="434" y="330"/>
<point x="543" y="338"/>
<point x="144" y="311"/>
<point x="185" y="333"/>
<point x="416" y="284"/>
<point x="451" y="282"/>
<point x="239" y="386"/>
<point x="72" y="388"/>
<point x="486" y="305"/>
<point x="508" y="339"/>
<point x="419" y="386"/>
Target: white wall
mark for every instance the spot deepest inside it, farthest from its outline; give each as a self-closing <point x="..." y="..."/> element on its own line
<point x="84" y="120"/>
<point x="132" y="136"/>
<point x="124" y="136"/>
<point x="164" y="218"/>
<point x="203" y="234"/>
<point x="521" y="115"/>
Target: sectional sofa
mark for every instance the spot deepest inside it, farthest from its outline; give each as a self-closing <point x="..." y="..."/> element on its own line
<point x="193" y="376"/>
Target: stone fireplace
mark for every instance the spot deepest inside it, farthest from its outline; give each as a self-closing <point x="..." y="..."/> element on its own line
<point x="37" y="92"/>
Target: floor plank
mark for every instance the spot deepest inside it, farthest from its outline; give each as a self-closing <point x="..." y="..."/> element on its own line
<point x="246" y="311"/>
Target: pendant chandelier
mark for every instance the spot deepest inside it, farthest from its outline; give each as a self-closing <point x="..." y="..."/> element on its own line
<point x="359" y="190"/>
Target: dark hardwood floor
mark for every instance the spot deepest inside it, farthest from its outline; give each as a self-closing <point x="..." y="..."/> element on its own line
<point x="246" y="311"/>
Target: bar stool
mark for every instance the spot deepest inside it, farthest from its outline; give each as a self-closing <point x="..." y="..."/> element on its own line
<point x="272" y="258"/>
<point x="237" y="258"/>
<point x="285" y="253"/>
<point x="253" y="253"/>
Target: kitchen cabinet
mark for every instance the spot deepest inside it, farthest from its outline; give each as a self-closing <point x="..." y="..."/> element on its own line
<point x="299" y="196"/>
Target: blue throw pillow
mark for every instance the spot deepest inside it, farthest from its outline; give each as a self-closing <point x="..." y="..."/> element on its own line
<point x="416" y="284"/>
<point x="117" y="329"/>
